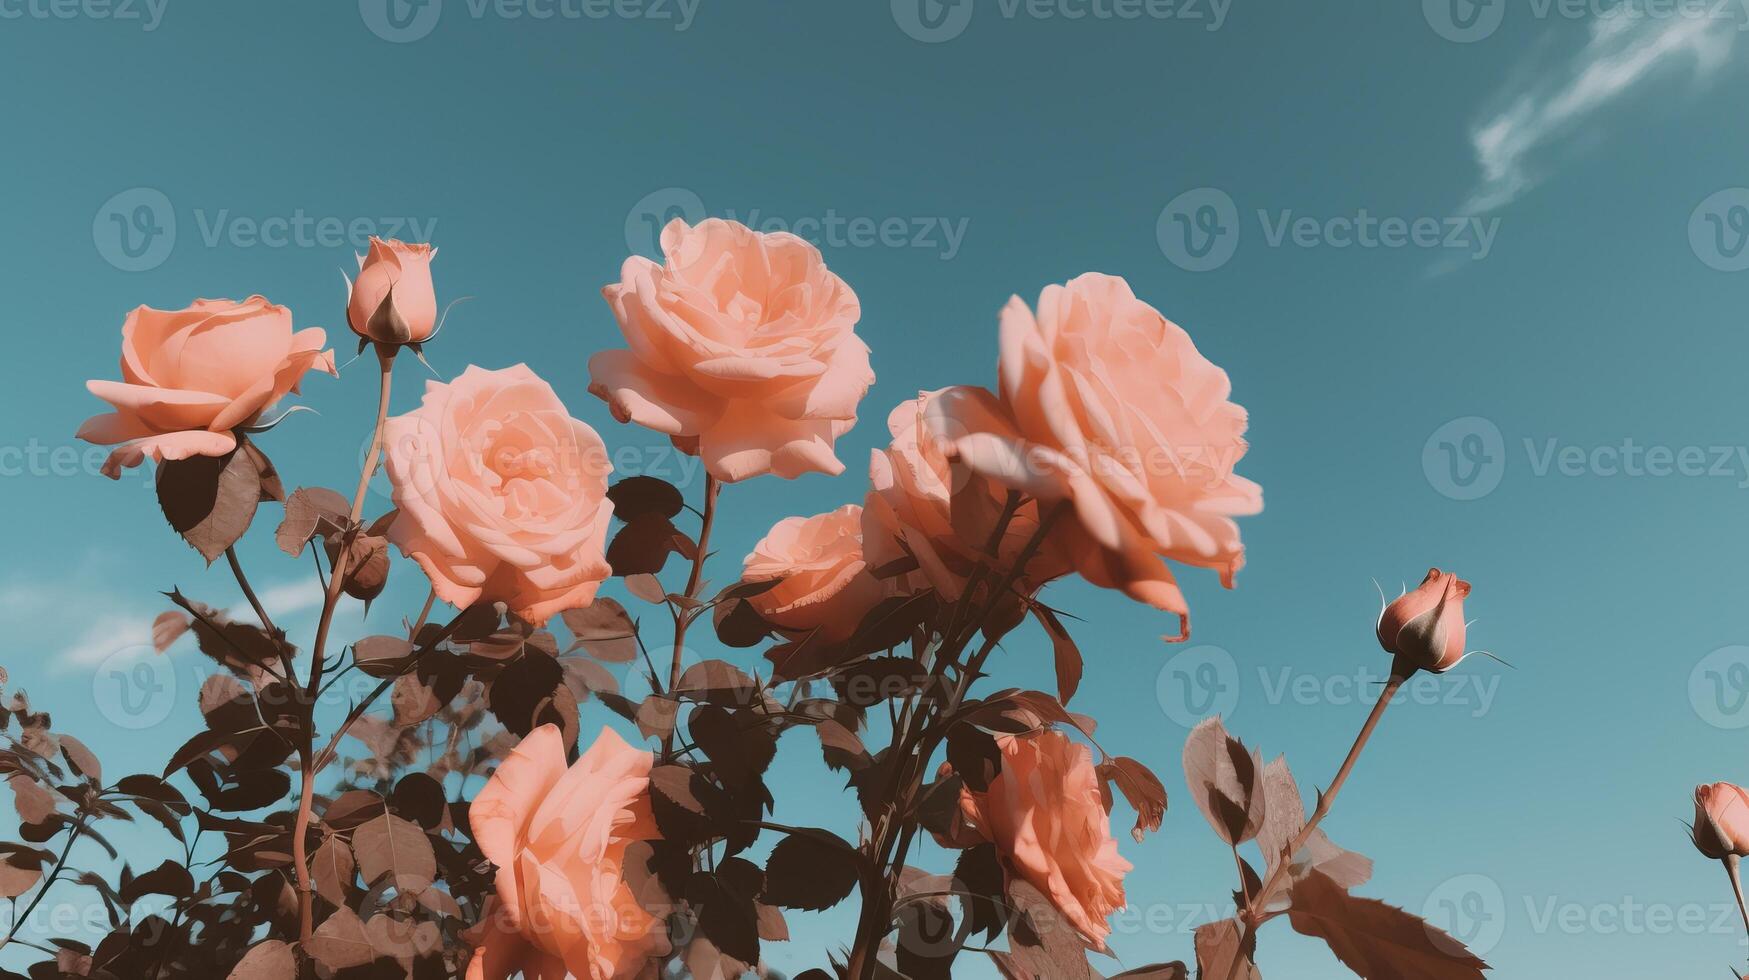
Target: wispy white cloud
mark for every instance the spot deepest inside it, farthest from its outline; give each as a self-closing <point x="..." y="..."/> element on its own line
<point x="1554" y="106"/>
<point x="115" y="631"/>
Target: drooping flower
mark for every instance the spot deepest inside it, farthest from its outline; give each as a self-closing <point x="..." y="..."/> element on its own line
<point x="191" y="377"/>
<point x="502" y="495"/>
<point x="824" y="583"/>
<point x="559" y="837"/>
<point x="922" y="506"/>
<point x="741" y="347"/>
<point x="1109" y="408"/>
<point x="1045" y="814"/>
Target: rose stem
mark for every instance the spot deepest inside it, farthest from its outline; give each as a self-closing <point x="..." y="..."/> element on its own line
<point x="336" y="581"/>
<point x="249" y="593"/>
<point x="1731" y="862"/>
<point x="890" y="850"/>
<point x="683" y="618"/>
<point x="1398" y="675"/>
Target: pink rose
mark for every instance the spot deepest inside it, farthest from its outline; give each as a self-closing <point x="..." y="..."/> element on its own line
<point x="193" y="376"/>
<point x="558" y="836"/>
<point x="393" y="301"/>
<point x="825" y="583"/>
<point x="502" y="494"/>
<point x="1046" y="816"/>
<point x="1721" y="820"/>
<point x="910" y="510"/>
<point x="1425" y="628"/>
<point x="1107" y="405"/>
<point x="742" y="350"/>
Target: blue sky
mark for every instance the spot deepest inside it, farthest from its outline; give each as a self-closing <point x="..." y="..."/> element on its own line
<point x="1477" y="272"/>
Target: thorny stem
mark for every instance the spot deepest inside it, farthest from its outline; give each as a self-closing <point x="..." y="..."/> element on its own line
<point x="249" y="593"/>
<point x="325" y="756"/>
<point x="60" y="866"/>
<point x="1731" y="863"/>
<point x="1248" y="922"/>
<point x="683" y="618"/>
<point x="336" y="581"/>
<point x="911" y="750"/>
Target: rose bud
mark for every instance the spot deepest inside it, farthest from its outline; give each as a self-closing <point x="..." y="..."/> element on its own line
<point x="393" y="301"/>
<point x="1721" y="820"/>
<point x="1425" y="628"/>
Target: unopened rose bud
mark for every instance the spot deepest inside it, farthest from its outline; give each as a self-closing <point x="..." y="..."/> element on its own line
<point x="1425" y="628"/>
<point x="393" y="301"/>
<point x="1721" y="820"/>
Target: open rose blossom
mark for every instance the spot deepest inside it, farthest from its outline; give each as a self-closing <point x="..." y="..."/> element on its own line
<point x="1721" y="820"/>
<point x="825" y="584"/>
<point x="559" y="836"/>
<point x="502" y="494"/>
<point x="910" y="510"/>
<point x="191" y="377"/>
<point x="741" y="349"/>
<point x="1047" y="818"/>
<point x="393" y="301"/>
<point x="1425" y="628"/>
<point x="1108" y="406"/>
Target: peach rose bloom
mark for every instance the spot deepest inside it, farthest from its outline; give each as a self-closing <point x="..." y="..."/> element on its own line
<point x="502" y="495"/>
<point x="741" y="349"/>
<point x="191" y="377"/>
<point x="1721" y="820"/>
<point x="910" y="508"/>
<point x="1047" y="818"/>
<point x="825" y="584"/>
<point x="402" y="271"/>
<point x="558" y="836"/>
<point x="1109" y="406"/>
<point x="1425" y="628"/>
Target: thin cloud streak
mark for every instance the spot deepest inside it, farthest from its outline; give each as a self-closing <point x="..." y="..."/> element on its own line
<point x="1561" y="105"/>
